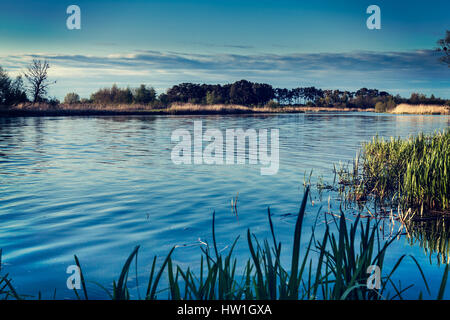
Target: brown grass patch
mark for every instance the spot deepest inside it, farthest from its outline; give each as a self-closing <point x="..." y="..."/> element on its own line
<point x="43" y="109"/>
<point x="82" y="107"/>
<point x="223" y="108"/>
<point x="404" y="108"/>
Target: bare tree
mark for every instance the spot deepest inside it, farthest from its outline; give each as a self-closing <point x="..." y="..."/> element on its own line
<point x="37" y="76"/>
<point x="444" y="46"/>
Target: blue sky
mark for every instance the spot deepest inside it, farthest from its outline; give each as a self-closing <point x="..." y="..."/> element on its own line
<point x="285" y="43"/>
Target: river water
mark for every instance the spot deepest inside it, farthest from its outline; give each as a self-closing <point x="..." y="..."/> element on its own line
<point x="98" y="186"/>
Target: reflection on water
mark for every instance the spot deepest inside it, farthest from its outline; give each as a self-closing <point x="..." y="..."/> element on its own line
<point x="99" y="186"/>
<point x="433" y="235"/>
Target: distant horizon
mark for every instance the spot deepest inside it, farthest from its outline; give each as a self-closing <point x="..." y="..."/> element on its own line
<point x="284" y="43"/>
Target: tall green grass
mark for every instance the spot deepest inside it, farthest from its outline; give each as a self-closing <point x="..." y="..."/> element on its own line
<point x="413" y="173"/>
<point x="332" y="267"/>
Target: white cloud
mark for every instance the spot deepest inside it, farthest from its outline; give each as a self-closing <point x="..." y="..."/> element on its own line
<point x="402" y="71"/>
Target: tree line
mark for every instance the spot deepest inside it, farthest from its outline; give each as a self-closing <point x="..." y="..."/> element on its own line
<point x="248" y="93"/>
<point x="14" y="91"/>
<point x="243" y="92"/>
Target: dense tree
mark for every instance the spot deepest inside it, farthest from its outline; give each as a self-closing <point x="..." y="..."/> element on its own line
<point x="17" y="93"/>
<point x="144" y="95"/>
<point x="311" y="94"/>
<point x="212" y="97"/>
<point x="72" y="98"/>
<point x="385" y="105"/>
<point x="121" y="96"/>
<point x="248" y="93"/>
<point x="282" y="95"/>
<point x="187" y="92"/>
<point x="115" y="95"/>
<point x="11" y="92"/>
<point x="163" y="99"/>
<point x="263" y="93"/>
<point x="241" y="92"/>
<point x="5" y="85"/>
<point x="217" y="94"/>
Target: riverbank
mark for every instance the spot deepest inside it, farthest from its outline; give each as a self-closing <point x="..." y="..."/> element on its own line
<point x="178" y="109"/>
<point x="42" y="110"/>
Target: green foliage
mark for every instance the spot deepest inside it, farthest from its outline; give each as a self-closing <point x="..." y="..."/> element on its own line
<point x="418" y="98"/>
<point x="186" y="92"/>
<point x="387" y="105"/>
<point x="5" y="85"/>
<point x="338" y="272"/>
<point x="272" y="104"/>
<point x="17" y="92"/>
<point x="380" y="107"/>
<point x="241" y="92"/>
<point x="85" y="101"/>
<point x="248" y="93"/>
<point x="144" y="95"/>
<point x="11" y="92"/>
<point x="412" y="173"/>
<point x="52" y="102"/>
<point x="212" y="98"/>
<point x="72" y="98"/>
<point x="114" y="95"/>
<point x="163" y="100"/>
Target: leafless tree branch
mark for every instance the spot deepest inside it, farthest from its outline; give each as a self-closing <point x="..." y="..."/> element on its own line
<point x="37" y="76"/>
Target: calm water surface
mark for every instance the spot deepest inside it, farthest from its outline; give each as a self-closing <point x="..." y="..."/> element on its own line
<point x="98" y="186"/>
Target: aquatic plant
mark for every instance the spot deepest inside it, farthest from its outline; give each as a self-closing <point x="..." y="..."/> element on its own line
<point x="6" y="288"/>
<point x="331" y="268"/>
<point x="410" y="173"/>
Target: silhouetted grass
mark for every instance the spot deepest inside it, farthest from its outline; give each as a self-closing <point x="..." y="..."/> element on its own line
<point x="6" y="288"/>
<point x="338" y="269"/>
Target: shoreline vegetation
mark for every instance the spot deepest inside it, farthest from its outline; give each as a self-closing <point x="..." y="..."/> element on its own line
<point x="44" y="109"/>
<point x="410" y="176"/>
<point x="174" y="109"/>
<point x="18" y="99"/>
<point x="421" y="109"/>
<point x="334" y="266"/>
